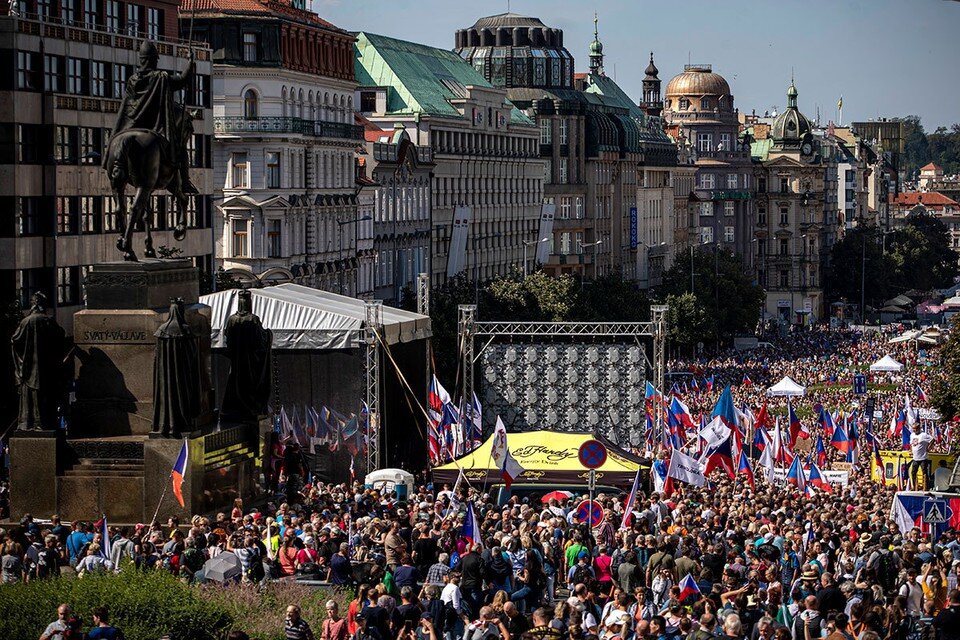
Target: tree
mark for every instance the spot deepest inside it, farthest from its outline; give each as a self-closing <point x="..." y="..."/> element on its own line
<point x="721" y="287"/>
<point x="856" y="260"/>
<point x="922" y="255"/>
<point x="946" y="388"/>
<point x="687" y="320"/>
<point x="611" y="298"/>
<point x="916" y="149"/>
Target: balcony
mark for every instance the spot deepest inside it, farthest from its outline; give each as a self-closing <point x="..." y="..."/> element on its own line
<point x="286" y="124"/>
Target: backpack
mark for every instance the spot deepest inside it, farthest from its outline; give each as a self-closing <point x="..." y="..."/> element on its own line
<point x="254" y="571"/>
<point x="887" y="571"/>
<point x="582" y="575"/>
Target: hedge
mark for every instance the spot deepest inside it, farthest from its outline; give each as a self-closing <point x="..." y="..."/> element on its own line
<point x="147" y="605"/>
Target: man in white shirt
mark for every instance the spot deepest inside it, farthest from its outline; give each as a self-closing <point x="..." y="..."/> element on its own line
<point x="920" y="447"/>
<point x="941" y="477"/>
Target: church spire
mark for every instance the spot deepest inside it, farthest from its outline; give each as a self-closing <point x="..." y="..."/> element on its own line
<point x="596" y="49"/>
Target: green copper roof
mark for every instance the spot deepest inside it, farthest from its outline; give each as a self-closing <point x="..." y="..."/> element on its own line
<point x="760" y="149"/>
<point x="421" y="79"/>
<point x="605" y="86"/>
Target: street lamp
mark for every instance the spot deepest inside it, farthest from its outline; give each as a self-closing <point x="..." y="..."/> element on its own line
<point x="340" y="225"/>
<point x="594" y="245"/>
<point x="526" y="244"/>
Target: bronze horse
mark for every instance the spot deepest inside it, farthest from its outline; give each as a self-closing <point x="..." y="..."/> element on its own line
<point x="139" y="158"/>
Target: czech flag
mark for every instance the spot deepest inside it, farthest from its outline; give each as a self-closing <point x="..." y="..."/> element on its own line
<point x="826" y="421"/>
<point x="746" y="381"/>
<point x="840" y="440"/>
<point x="820" y="451"/>
<point x="631" y="499"/>
<point x="709" y="382"/>
<point x="763" y="418"/>
<point x="178" y="472"/>
<point x="471" y="532"/>
<point x="688" y="587"/>
<point x="875" y="447"/>
<point x="725" y="410"/>
<point x="921" y="396"/>
<point x="796" y="428"/>
<point x="760" y="438"/>
<point x="682" y="413"/>
<point x="816" y="478"/>
<point x="695" y="385"/>
<point x="795" y="475"/>
<point x="905" y="438"/>
<point x="719" y="457"/>
<point x="745" y="469"/>
<point x="104" y="531"/>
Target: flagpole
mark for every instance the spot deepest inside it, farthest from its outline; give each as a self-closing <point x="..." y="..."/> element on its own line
<point x="162" y="496"/>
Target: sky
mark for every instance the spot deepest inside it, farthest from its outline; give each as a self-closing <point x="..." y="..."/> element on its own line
<point x="887" y="58"/>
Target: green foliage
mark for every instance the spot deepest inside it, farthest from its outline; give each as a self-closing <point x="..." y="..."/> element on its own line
<point x="725" y="293"/>
<point x="687" y="320"/>
<point x="922" y="254"/>
<point x="945" y="148"/>
<point x="860" y="252"/>
<point x="146" y="605"/>
<point x="942" y="147"/>
<point x="946" y="388"/>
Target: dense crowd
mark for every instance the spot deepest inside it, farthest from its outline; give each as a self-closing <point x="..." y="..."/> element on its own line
<point x="729" y="561"/>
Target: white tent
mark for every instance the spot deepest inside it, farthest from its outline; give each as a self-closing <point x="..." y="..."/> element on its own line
<point x="886" y="363"/>
<point x="307" y="318"/>
<point x="786" y="387"/>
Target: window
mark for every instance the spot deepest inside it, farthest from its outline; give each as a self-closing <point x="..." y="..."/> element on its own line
<point x="731" y="181"/>
<point x="75" y="79"/>
<point x="784" y="279"/>
<point x="784" y="247"/>
<point x="89" y="214"/>
<point x="30" y="144"/>
<point x="89" y="145"/>
<point x="43" y="9"/>
<point x="111" y="218"/>
<point x="578" y="208"/>
<point x="762" y="216"/>
<point x="707" y="181"/>
<point x="761" y="185"/>
<point x="250" y="107"/>
<point x="113" y="16"/>
<point x="28" y="216"/>
<point x="273" y="238"/>
<point x="65" y="145"/>
<point x="704" y="142"/>
<point x="728" y="208"/>
<point x="53" y="74"/>
<point x="725" y="141"/>
<point x="273" y="170"/>
<point x="66" y="215"/>
<point x="563" y="213"/>
<point x="706" y="235"/>
<point x="120" y="72"/>
<point x="684" y="104"/>
<point x="368" y="101"/>
<point x="154" y="21"/>
<point x="98" y="79"/>
<point x="761" y="248"/>
<point x="27" y="70"/>
<point x="67" y="285"/>
<point x="784" y="185"/>
<point x="784" y="215"/>
<point x="563" y="131"/>
<point x="546" y="133"/>
<point x="239" y="174"/>
<point x="706" y="209"/>
<point x="704" y="104"/>
<point x="134" y="19"/>
<point x="90" y="11"/>
<point x="68" y="11"/>
<point x="241" y="238"/>
<point x="728" y="234"/>
<point x="201" y="94"/>
<point x="250" y="47"/>
<point x="563" y="171"/>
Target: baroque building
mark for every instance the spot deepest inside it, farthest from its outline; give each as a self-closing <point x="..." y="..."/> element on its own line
<point x="285" y="139"/>
<point x="67" y="66"/>
<point x="487" y="186"/>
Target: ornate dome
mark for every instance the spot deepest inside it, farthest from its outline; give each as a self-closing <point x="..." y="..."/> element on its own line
<point x="698" y="80"/>
<point x="507" y="20"/>
<point x="652" y="70"/>
<point x="791" y="125"/>
<point x="596" y="47"/>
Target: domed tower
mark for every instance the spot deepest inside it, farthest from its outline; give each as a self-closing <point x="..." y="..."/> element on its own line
<point x="596" y="51"/>
<point x="512" y="50"/>
<point x="697" y="92"/>
<point x="791" y="131"/>
<point x="652" y="103"/>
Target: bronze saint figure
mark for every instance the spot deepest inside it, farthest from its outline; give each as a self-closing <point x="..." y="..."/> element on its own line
<point x="38" y="346"/>
<point x="148" y="148"/>
<point x="248" y="348"/>
<point x="176" y="376"/>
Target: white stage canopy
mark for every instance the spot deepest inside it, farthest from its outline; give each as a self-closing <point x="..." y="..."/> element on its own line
<point x="886" y="363"/>
<point x="307" y="318"/>
<point x="787" y="388"/>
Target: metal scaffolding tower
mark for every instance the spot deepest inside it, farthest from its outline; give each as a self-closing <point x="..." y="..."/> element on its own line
<point x="372" y="327"/>
<point x="468" y="317"/>
<point x="658" y="318"/>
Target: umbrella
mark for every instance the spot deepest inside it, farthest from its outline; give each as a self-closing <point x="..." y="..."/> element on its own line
<point x="556" y="495"/>
<point x="222" y="568"/>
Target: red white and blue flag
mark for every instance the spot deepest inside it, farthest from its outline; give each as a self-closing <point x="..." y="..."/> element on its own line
<point x="437" y="397"/>
<point x="631" y="499"/>
<point x="746" y="381"/>
<point x="688" y="587"/>
<point x="795" y="475"/>
<point x="921" y="396"/>
<point x="471" y="532"/>
<point x="745" y="468"/>
<point x="796" y="428"/>
<point x="178" y="472"/>
<point x="816" y="478"/>
<point x="826" y="421"/>
<point x="709" y="382"/>
<point x="820" y="451"/>
<point x="840" y="441"/>
<point x="104" y="531"/>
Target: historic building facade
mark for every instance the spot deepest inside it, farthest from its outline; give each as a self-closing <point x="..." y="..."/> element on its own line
<point x="700" y="114"/>
<point x="285" y="140"/>
<point x="487" y="186"/>
<point x="598" y="145"/>
<point x="67" y="67"/>
<point x="796" y="215"/>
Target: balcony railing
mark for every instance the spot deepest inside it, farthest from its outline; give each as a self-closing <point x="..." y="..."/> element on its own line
<point x="287" y="124"/>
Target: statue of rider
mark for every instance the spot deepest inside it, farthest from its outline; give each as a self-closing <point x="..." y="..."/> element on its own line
<point x="148" y="103"/>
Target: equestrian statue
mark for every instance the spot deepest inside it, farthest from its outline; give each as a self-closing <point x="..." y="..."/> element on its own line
<point x="148" y="148"/>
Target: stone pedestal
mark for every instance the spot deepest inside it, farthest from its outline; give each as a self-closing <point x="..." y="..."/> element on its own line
<point x="33" y="474"/>
<point x="115" y="344"/>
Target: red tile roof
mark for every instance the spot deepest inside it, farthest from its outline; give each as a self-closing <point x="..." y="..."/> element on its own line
<point x="933" y="199"/>
<point x="931" y="167"/>
<point x="258" y="7"/>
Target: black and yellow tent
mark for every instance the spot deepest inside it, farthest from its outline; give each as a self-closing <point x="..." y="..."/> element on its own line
<point x="546" y="457"/>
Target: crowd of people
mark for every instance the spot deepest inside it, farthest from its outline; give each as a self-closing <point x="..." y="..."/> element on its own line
<point x="728" y="561"/>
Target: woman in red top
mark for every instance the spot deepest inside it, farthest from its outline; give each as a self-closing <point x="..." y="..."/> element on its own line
<point x="287" y="555"/>
<point x="356" y="606"/>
